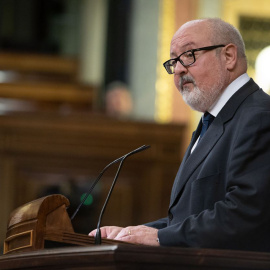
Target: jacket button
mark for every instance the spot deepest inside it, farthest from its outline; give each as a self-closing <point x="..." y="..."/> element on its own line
<point x="170" y="216"/>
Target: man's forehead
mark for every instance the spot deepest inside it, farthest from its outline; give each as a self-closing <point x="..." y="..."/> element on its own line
<point x="183" y="43"/>
<point x="189" y="36"/>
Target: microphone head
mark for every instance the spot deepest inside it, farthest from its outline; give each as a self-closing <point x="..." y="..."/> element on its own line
<point x="143" y="147"/>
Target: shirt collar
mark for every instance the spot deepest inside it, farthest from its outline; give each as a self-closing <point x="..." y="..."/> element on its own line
<point x="232" y="88"/>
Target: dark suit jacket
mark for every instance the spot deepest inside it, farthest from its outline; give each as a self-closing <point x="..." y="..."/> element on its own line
<point x="221" y="194"/>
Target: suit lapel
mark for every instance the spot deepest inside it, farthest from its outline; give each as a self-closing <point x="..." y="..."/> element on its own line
<point x="214" y="133"/>
<point x="203" y="148"/>
<point x="194" y="137"/>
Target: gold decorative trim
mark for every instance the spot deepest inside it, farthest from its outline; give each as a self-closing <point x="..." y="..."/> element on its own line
<point x="164" y="82"/>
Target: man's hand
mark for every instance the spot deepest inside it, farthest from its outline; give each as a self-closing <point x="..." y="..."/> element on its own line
<point x="109" y="232"/>
<point x="134" y="234"/>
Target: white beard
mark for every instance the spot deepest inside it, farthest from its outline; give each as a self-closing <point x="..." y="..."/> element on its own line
<point x="200" y="99"/>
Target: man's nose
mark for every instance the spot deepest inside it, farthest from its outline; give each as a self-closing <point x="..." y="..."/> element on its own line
<point x="180" y="69"/>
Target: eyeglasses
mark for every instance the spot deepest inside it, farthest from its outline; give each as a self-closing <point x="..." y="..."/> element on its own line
<point x="187" y="58"/>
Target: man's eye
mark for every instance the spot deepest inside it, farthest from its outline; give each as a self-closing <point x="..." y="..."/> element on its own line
<point x="173" y="62"/>
<point x="189" y="55"/>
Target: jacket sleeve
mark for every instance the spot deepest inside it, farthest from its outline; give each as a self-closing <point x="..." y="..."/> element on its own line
<point x="158" y="224"/>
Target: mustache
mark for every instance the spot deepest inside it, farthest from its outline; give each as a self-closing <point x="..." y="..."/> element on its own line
<point x="186" y="79"/>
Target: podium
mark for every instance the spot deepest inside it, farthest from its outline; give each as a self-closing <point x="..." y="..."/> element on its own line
<point x="134" y="257"/>
<point x="35" y="225"/>
<point x="43" y="223"/>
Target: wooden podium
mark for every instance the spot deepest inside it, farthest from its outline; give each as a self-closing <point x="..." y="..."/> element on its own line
<point x="43" y="223"/>
<point x="34" y="225"/>
<point x="134" y="257"/>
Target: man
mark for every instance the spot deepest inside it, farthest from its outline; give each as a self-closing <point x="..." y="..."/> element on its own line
<point x="221" y="194"/>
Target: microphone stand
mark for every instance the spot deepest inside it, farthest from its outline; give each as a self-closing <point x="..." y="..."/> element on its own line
<point x="102" y="172"/>
<point x="93" y="185"/>
<point x="98" y="233"/>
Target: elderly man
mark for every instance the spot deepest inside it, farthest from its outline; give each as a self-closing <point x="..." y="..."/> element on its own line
<point x="221" y="193"/>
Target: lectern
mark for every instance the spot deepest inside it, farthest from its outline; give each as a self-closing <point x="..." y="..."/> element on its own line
<point x="34" y="225"/>
<point x="40" y="223"/>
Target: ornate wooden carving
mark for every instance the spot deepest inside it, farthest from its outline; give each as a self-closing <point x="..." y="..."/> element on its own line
<point x="44" y="219"/>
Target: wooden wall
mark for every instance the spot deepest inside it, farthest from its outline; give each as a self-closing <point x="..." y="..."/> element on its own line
<point x="52" y="141"/>
<point x="44" y="82"/>
<point x="43" y="153"/>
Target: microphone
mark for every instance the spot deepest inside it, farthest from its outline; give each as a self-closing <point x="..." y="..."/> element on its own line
<point x="98" y="234"/>
<point x="100" y="175"/>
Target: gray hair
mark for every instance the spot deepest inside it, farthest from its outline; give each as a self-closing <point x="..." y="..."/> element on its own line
<point x="225" y="33"/>
<point x="222" y="32"/>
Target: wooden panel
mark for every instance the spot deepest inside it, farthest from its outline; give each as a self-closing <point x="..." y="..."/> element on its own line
<point x="43" y="82"/>
<point x="136" y="257"/>
<point x="40" y="152"/>
<point x="38" y="63"/>
<point x="49" y="92"/>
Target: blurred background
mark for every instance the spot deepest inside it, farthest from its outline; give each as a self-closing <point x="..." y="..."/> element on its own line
<point x="82" y="83"/>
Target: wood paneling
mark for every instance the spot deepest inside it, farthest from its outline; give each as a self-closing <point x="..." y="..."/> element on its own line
<point x="38" y="63"/>
<point x="136" y="257"/>
<point x="43" y="151"/>
<point x="46" y="82"/>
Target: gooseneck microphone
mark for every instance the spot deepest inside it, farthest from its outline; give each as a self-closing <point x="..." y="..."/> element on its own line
<point x="94" y="184"/>
<point x="100" y="175"/>
<point x="98" y="234"/>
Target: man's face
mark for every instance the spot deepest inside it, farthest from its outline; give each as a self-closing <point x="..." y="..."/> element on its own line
<point x="201" y="83"/>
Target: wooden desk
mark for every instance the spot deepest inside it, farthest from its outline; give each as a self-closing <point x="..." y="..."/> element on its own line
<point x="135" y="257"/>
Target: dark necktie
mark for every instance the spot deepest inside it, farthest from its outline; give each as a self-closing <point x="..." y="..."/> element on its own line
<point x="206" y="122"/>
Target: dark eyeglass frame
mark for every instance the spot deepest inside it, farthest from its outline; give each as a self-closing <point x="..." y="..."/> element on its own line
<point x="167" y="64"/>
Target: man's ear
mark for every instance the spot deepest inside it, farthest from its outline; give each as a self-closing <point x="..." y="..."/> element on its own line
<point x="230" y="53"/>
